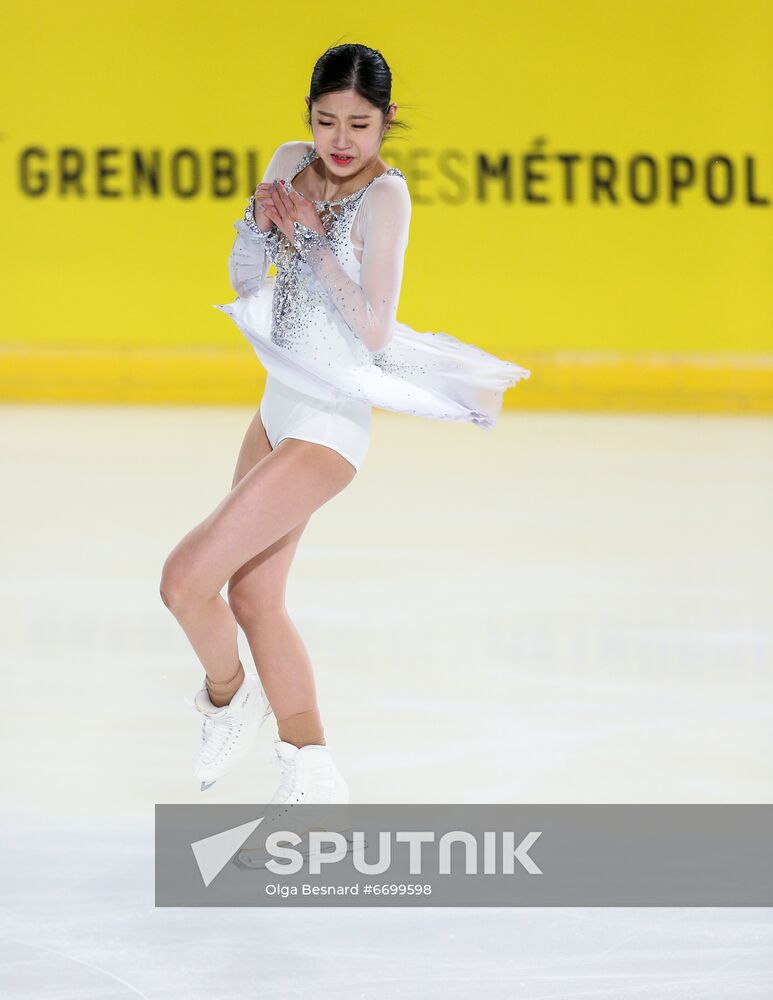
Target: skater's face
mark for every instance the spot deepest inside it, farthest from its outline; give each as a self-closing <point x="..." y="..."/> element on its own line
<point x="345" y="124"/>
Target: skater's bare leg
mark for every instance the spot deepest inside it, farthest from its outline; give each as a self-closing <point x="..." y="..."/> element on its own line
<point x="276" y="495"/>
<point x="256" y="595"/>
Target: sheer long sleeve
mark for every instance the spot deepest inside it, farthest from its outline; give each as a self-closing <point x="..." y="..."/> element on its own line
<point x="248" y="262"/>
<point x="368" y="308"/>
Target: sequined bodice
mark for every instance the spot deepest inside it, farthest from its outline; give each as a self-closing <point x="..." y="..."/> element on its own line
<point x="304" y="319"/>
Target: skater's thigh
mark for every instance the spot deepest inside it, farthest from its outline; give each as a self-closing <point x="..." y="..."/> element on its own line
<point x="255" y="447"/>
<point x="260" y="583"/>
<point x="277" y="495"/>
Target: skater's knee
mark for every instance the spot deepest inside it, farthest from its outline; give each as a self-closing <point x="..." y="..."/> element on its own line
<point x="168" y="597"/>
<point x="177" y="588"/>
<point x="255" y="602"/>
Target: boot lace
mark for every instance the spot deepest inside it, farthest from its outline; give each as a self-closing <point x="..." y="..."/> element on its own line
<point x="217" y="734"/>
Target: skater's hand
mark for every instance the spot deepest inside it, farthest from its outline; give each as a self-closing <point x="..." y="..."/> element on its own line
<point x="262" y="197"/>
<point x="284" y="207"/>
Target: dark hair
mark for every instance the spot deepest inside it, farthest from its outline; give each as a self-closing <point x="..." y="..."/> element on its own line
<point x="358" y="68"/>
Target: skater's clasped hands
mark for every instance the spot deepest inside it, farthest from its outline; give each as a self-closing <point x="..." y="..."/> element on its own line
<point x="279" y="205"/>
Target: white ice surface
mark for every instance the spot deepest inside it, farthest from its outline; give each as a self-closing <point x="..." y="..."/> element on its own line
<point x="569" y="609"/>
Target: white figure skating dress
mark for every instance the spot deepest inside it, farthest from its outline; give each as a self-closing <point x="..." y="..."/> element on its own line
<point x="325" y="327"/>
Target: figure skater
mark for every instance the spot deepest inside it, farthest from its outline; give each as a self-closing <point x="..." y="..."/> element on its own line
<point x="333" y="218"/>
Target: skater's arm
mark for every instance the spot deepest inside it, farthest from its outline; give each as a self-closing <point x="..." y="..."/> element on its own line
<point x="248" y="262"/>
<point x="369" y="308"/>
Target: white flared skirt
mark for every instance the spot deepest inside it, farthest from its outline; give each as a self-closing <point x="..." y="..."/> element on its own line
<point x="427" y="374"/>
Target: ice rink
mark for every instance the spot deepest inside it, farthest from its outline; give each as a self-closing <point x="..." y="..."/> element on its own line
<point x="574" y="608"/>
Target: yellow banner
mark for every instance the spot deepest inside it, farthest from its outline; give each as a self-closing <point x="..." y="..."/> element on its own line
<point x="592" y="191"/>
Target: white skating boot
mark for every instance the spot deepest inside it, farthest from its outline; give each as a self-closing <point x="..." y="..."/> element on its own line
<point x="227" y="733"/>
<point x="310" y="777"/>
